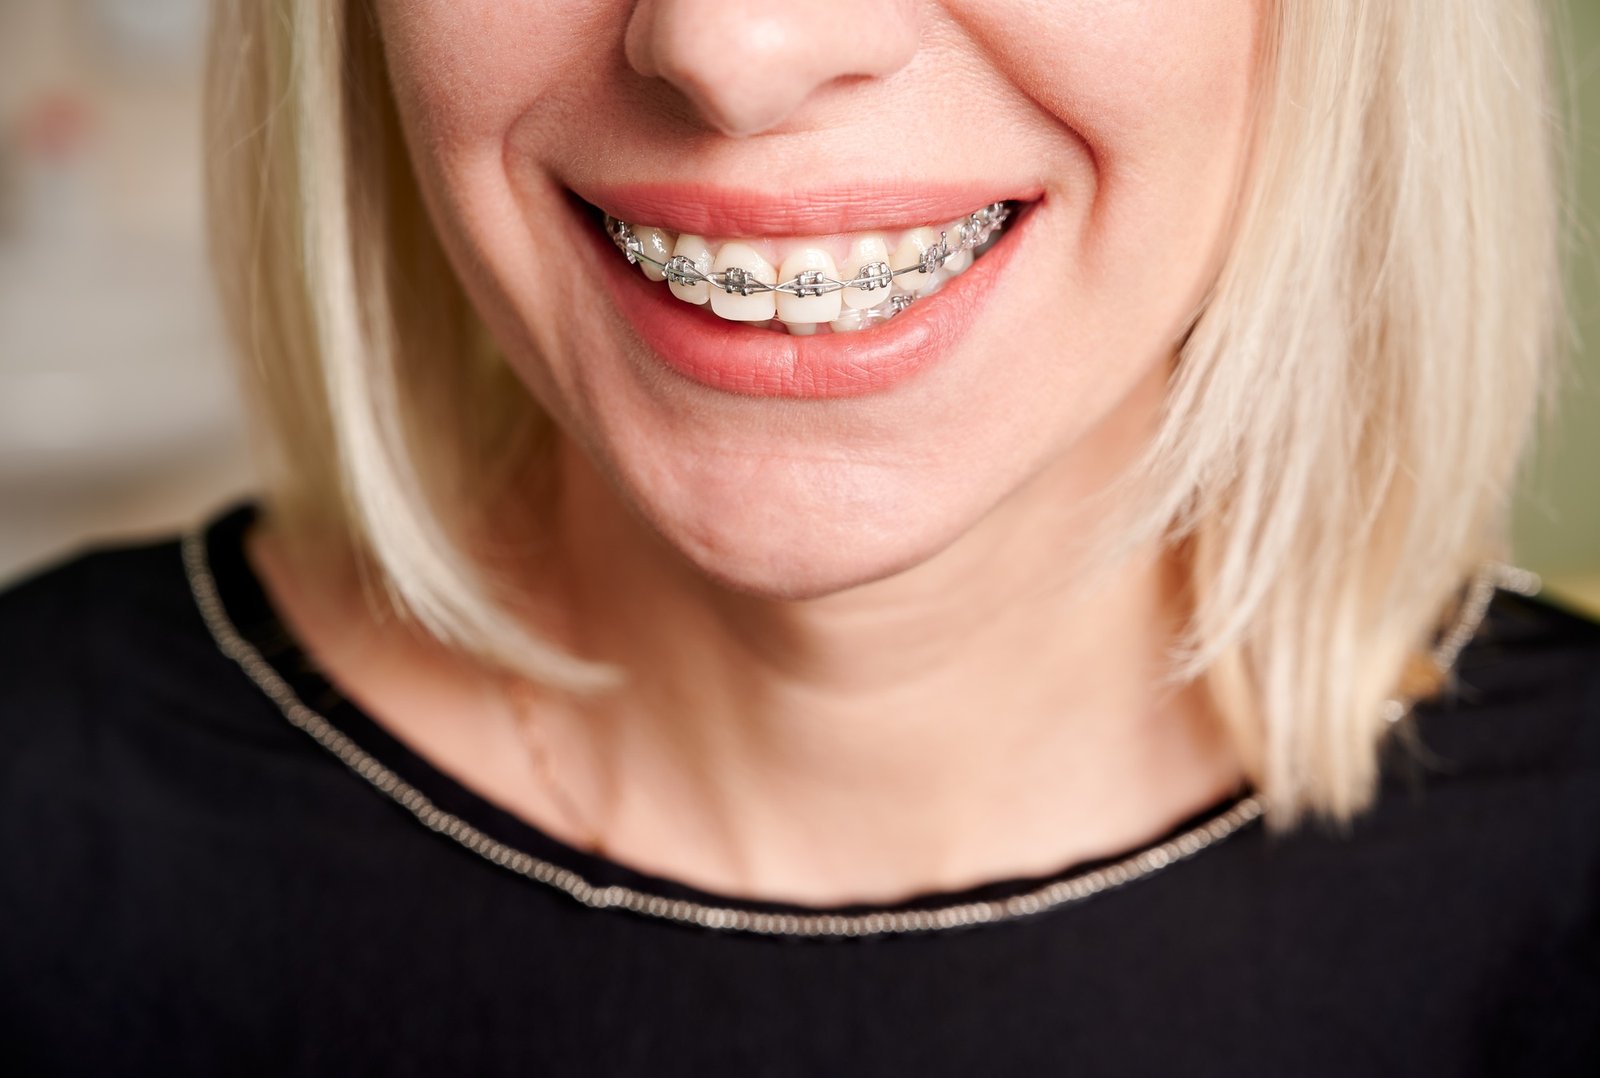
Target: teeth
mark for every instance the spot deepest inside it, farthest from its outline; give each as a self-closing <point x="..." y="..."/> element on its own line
<point x="806" y="265"/>
<point x="871" y="285"/>
<point x="654" y="244"/>
<point x="849" y="321"/>
<point x="865" y="251"/>
<point x="737" y="307"/>
<point x="695" y="249"/>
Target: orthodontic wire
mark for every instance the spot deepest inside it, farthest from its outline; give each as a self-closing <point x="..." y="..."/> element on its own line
<point x="975" y="231"/>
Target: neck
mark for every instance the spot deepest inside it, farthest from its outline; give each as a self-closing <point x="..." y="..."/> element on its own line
<point x="976" y="717"/>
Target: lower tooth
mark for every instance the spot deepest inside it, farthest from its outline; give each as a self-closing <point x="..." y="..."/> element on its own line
<point x="852" y="322"/>
<point x="849" y="321"/>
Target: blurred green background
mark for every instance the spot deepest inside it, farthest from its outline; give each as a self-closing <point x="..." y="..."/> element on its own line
<point x="1558" y="508"/>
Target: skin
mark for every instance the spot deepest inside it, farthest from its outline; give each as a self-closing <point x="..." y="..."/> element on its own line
<point x="873" y="681"/>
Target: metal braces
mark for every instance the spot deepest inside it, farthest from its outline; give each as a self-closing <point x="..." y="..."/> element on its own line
<point x="973" y="232"/>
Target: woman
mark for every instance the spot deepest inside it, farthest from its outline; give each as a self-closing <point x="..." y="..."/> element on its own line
<point x="839" y="538"/>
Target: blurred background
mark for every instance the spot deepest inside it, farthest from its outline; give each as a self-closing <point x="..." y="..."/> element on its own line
<point x="118" y="412"/>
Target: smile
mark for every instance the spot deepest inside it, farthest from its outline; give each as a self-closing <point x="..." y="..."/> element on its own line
<point x="841" y="285"/>
<point x="823" y="297"/>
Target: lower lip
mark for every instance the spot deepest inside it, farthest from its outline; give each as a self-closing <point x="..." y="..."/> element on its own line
<point x="736" y="358"/>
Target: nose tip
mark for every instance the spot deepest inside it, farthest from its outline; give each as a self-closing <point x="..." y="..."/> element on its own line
<point x="748" y="67"/>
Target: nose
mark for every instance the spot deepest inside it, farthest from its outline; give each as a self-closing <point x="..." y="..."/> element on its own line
<point x="748" y="67"/>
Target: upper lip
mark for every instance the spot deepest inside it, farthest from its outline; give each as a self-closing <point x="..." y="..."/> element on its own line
<point x="714" y="210"/>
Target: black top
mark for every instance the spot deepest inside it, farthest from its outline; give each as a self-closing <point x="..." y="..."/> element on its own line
<point x="191" y="885"/>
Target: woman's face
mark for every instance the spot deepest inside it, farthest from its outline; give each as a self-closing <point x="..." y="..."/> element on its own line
<point x="780" y="137"/>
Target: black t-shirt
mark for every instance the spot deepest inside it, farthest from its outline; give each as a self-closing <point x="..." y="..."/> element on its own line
<point x="190" y="884"/>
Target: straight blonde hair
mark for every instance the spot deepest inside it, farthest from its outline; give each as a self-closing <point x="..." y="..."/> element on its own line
<point x="1343" y="426"/>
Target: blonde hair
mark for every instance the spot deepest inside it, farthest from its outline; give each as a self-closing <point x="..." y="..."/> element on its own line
<point x="1342" y="428"/>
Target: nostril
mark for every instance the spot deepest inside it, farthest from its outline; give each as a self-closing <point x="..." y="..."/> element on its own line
<point x="742" y="74"/>
<point x="748" y="68"/>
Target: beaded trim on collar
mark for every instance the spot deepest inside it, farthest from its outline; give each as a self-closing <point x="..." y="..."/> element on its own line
<point x="1047" y="897"/>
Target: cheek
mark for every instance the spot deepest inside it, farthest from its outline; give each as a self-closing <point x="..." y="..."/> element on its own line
<point x="1158" y="94"/>
<point x="1157" y="99"/>
<point x="1125" y="75"/>
<point x="487" y="92"/>
<point x="465" y="71"/>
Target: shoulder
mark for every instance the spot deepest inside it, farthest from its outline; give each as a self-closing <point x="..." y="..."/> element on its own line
<point x="1502" y="771"/>
<point x="95" y="605"/>
<point x="1525" y="696"/>
<point x="78" y="625"/>
<point x="102" y="644"/>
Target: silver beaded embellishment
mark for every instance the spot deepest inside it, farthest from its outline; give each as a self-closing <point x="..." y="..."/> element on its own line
<point x="819" y="925"/>
<point x="1474" y="605"/>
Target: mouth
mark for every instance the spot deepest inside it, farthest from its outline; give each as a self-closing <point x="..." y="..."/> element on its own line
<point x="841" y="284"/>
<point x="798" y="311"/>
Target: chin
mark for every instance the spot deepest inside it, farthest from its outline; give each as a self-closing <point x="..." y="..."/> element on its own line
<point x="774" y="550"/>
<point x="784" y="572"/>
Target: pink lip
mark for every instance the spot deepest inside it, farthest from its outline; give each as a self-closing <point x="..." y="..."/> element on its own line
<point x="737" y="358"/>
<point x="708" y="210"/>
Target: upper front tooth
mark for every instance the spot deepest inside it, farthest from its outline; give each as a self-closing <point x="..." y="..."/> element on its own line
<point x="654" y="243"/>
<point x="757" y="306"/>
<point x="814" y="308"/>
<point x="865" y="251"/>
<point x="696" y="250"/>
<point x="909" y="253"/>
